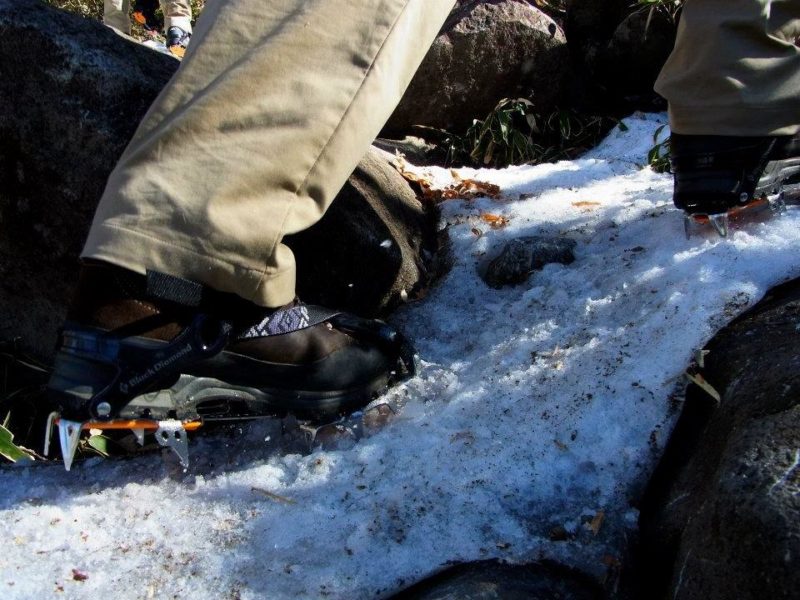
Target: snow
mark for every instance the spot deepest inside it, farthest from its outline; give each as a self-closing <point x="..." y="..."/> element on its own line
<point x="539" y="406"/>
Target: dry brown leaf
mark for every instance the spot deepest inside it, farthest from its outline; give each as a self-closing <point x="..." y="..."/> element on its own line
<point x="588" y="204"/>
<point x="464" y="189"/>
<point x="78" y="575"/>
<point x="495" y="221"/>
<point x="699" y="381"/>
<point x="597" y="522"/>
<point x="271" y="496"/>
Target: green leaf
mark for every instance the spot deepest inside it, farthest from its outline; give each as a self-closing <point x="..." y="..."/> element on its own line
<point x="10" y="450"/>
<point x="99" y="444"/>
<point x="623" y="127"/>
<point x="657" y="134"/>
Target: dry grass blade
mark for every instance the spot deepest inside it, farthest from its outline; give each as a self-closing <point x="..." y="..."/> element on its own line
<point x="271" y="496"/>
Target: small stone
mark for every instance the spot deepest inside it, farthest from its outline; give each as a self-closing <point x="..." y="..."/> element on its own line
<point x="521" y="256"/>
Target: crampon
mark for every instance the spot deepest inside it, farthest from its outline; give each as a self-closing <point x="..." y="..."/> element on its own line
<point x="112" y="380"/>
<point x="721" y="223"/>
<point x="722" y="181"/>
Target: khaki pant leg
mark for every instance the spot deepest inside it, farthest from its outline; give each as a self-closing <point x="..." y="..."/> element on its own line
<point x="735" y="69"/>
<point x="273" y="106"/>
<point x="116" y="14"/>
<point x="177" y="13"/>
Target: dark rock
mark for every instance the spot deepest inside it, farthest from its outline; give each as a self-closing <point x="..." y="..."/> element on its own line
<point x="617" y="49"/>
<point x="520" y="257"/>
<point x="71" y="95"/>
<point x="492" y="580"/>
<point x="414" y="149"/>
<point x="590" y="24"/>
<point x="632" y="60"/>
<point x="486" y="51"/>
<point x="375" y="247"/>
<point x="721" y="517"/>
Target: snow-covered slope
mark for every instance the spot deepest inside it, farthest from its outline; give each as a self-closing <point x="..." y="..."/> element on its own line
<point x="539" y="409"/>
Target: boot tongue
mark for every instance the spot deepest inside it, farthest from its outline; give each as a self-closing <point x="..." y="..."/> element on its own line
<point x="288" y="320"/>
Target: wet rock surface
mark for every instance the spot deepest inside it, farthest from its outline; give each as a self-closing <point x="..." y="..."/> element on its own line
<point x="721" y="518"/>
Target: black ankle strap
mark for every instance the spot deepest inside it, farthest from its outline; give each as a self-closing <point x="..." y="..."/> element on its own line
<point x="174" y="289"/>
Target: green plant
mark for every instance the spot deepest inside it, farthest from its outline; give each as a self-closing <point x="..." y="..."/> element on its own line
<point x="503" y="137"/>
<point x="22" y="380"/>
<point x="513" y="133"/>
<point x="659" y="154"/>
<point x="670" y="8"/>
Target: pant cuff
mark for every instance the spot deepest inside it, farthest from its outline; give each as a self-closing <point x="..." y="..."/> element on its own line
<point x="735" y="121"/>
<point x="138" y="252"/>
<point x="184" y="23"/>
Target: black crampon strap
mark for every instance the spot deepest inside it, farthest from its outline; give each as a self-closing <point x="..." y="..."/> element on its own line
<point x="174" y="289"/>
<point x="139" y="369"/>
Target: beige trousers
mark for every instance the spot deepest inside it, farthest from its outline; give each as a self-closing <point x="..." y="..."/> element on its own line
<point x="735" y="69"/>
<point x="273" y="106"/>
<point x="116" y="14"/>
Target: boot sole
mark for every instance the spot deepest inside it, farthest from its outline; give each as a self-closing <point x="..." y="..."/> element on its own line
<point x="210" y="399"/>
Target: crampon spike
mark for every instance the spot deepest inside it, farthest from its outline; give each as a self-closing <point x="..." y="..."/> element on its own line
<point x="48" y="432"/>
<point x="69" y="432"/>
<point x="777" y="203"/>
<point x="139" y="433"/>
<point x="688" y="223"/>
<point x="172" y="434"/>
<point x="720" y="223"/>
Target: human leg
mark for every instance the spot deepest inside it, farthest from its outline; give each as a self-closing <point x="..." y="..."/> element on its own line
<point x="115" y="15"/>
<point x="253" y="137"/>
<point x="733" y="87"/>
<point x="177" y="25"/>
<point x="735" y="69"/>
<point x="271" y="110"/>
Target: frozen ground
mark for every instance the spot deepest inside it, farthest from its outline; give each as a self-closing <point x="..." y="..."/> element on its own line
<point x="538" y="407"/>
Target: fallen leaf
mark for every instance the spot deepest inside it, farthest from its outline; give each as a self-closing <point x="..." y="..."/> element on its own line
<point x="495" y="221"/>
<point x="271" y="496"/>
<point x="700" y="382"/>
<point x="597" y="522"/>
<point x="586" y="205"/>
<point x="464" y="189"/>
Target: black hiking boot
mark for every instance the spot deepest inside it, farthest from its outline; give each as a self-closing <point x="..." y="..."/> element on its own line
<point x="717" y="177"/>
<point x="177" y="41"/>
<point x="163" y="354"/>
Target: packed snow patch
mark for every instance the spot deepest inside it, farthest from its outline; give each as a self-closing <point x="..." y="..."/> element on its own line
<point x="535" y="420"/>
